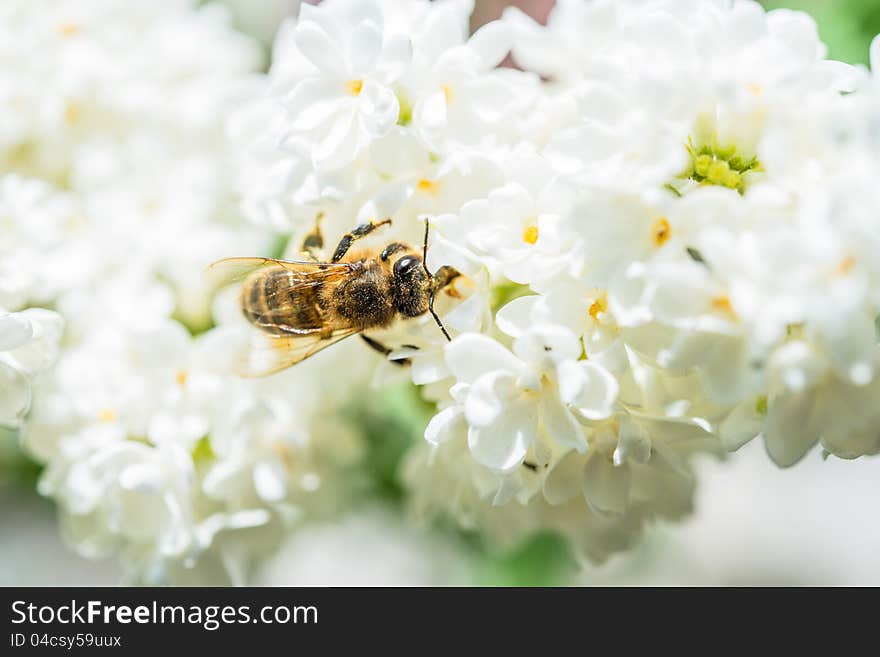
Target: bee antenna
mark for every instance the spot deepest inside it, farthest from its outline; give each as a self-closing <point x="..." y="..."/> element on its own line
<point x="433" y="278"/>
<point x="437" y="318"/>
<point x="425" y="254"/>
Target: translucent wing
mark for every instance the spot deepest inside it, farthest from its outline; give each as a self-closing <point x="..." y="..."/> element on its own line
<point x="304" y="272"/>
<point x="266" y="354"/>
<point x="281" y="297"/>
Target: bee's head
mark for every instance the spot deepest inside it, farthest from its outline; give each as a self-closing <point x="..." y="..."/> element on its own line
<point x="412" y="285"/>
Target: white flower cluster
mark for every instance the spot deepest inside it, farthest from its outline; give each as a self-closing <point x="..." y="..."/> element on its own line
<point x="118" y="195"/>
<point x="666" y="221"/>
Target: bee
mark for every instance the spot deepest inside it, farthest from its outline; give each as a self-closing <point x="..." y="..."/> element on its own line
<point x="301" y="307"/>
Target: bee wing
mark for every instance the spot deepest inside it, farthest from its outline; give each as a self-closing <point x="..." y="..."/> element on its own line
<point x="283" y="298"/>
<point x="266" y="353"/>
<point x="234" y="270"/>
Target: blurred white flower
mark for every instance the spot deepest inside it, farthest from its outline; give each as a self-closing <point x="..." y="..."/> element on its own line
<point x="371" y="547"/>
<point x="29" y="343"/>
<point x="153" y="449"/>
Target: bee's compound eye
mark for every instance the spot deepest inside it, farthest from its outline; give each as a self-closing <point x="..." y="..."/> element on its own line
<point x="406" y="265"/>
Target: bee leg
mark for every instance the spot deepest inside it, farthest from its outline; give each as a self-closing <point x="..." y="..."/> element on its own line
<point x="391" y="249"/>
<point x="385" y="351"/>
<point x="313" y="243"/>
<point x="350" y="238"/>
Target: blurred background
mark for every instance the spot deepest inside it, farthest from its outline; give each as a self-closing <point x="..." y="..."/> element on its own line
<point x="814" y="524"/>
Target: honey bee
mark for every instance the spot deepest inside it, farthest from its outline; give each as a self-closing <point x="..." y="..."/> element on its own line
<point x="302" y="307"/>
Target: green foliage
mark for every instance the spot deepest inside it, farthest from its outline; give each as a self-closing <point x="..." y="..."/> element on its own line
<point x="847" y="26"/>
<point x="16" y="468"/>
<point x="392" y="419"/>
<point x="543" y="560"/>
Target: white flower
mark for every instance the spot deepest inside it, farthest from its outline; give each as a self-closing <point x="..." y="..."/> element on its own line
<point x="42" y="224"/>
<point x="28" y="345"/>
<point x="452" y="86"/>
<point x="523" y="225"/>
<point x="129" y="494"/>
<point x="348" y="100"/>
<point x="666" y="230"/>
<point x="519" y="401"/>
<point x="160" y="403"/>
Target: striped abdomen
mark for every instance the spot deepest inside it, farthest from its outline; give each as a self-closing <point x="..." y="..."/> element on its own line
<point x="282" y="303"/>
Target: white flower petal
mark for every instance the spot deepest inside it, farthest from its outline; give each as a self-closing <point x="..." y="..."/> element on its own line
<point x="875" y="55"/>
<point x="430" y="113"/>
<point x="488" y="397"/>
<point x="15" y="330"/>
<point x="560" y="424"/>
<point x="317" y="46"/>
<point x="566" y="480"/>
<point x="491" y="43"/>
<point x="445" y="425"/>
<point x="15" y="395"/>
<point x="593" y="391"/>
<point x="503" y="444"/>
<point x="396" y="56"/>
<point x="606" y="486"/>
<point x="471" y="355"/>
<point x="791" y="430"/>
<point x="379" y="108"/>
<point x="742" y="425"/>
<point x="270" y="480"/>
<point x="515" y="317"/>
<point x="341" y="144"/>
<point x="364" y="47"/>
<point x="314" y="102"/>
<point x="547" y="343"/>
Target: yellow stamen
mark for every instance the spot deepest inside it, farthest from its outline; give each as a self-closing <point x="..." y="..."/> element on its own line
<point x="354" y="87"/>
<point x="661" y="231"/>
<point x="722" y="304"/>
<point x="181" y="378"/>
<point x="68" y="29"/>
<point x="756" y="89"/>
<point x="283" y="451"/>
<point x="75" y="222"/>
<point x="599" y="306"/>
<point x="448" y="93"/>
<point x="71" y="112"/>
<point x="428" y="186"/>
<point x="530" y="234"/>
<point x="107" y="415"/>
<point x="846" y="266"/>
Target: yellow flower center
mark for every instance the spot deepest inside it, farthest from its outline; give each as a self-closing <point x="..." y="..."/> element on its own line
<point x="661" y="231"/>
<point x="845" y="266"/>
<point x="530" y="234"/>
<point x="428" y="186"/>
<point x="181" y="378"/>
<point x="68" y="29"/>
<point x="107" y="415"/>
<point x="202" y="450"/>
<point x="283" y="451"/>
<point x="722" y="304"/>
<point x="761" y="405"/>
<point x="714" y="164"/>
<point x="71" y="112"/>
<point x="448" y="93"/>
<point x="599" y="306"/>
<point x="354" y="87"/>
